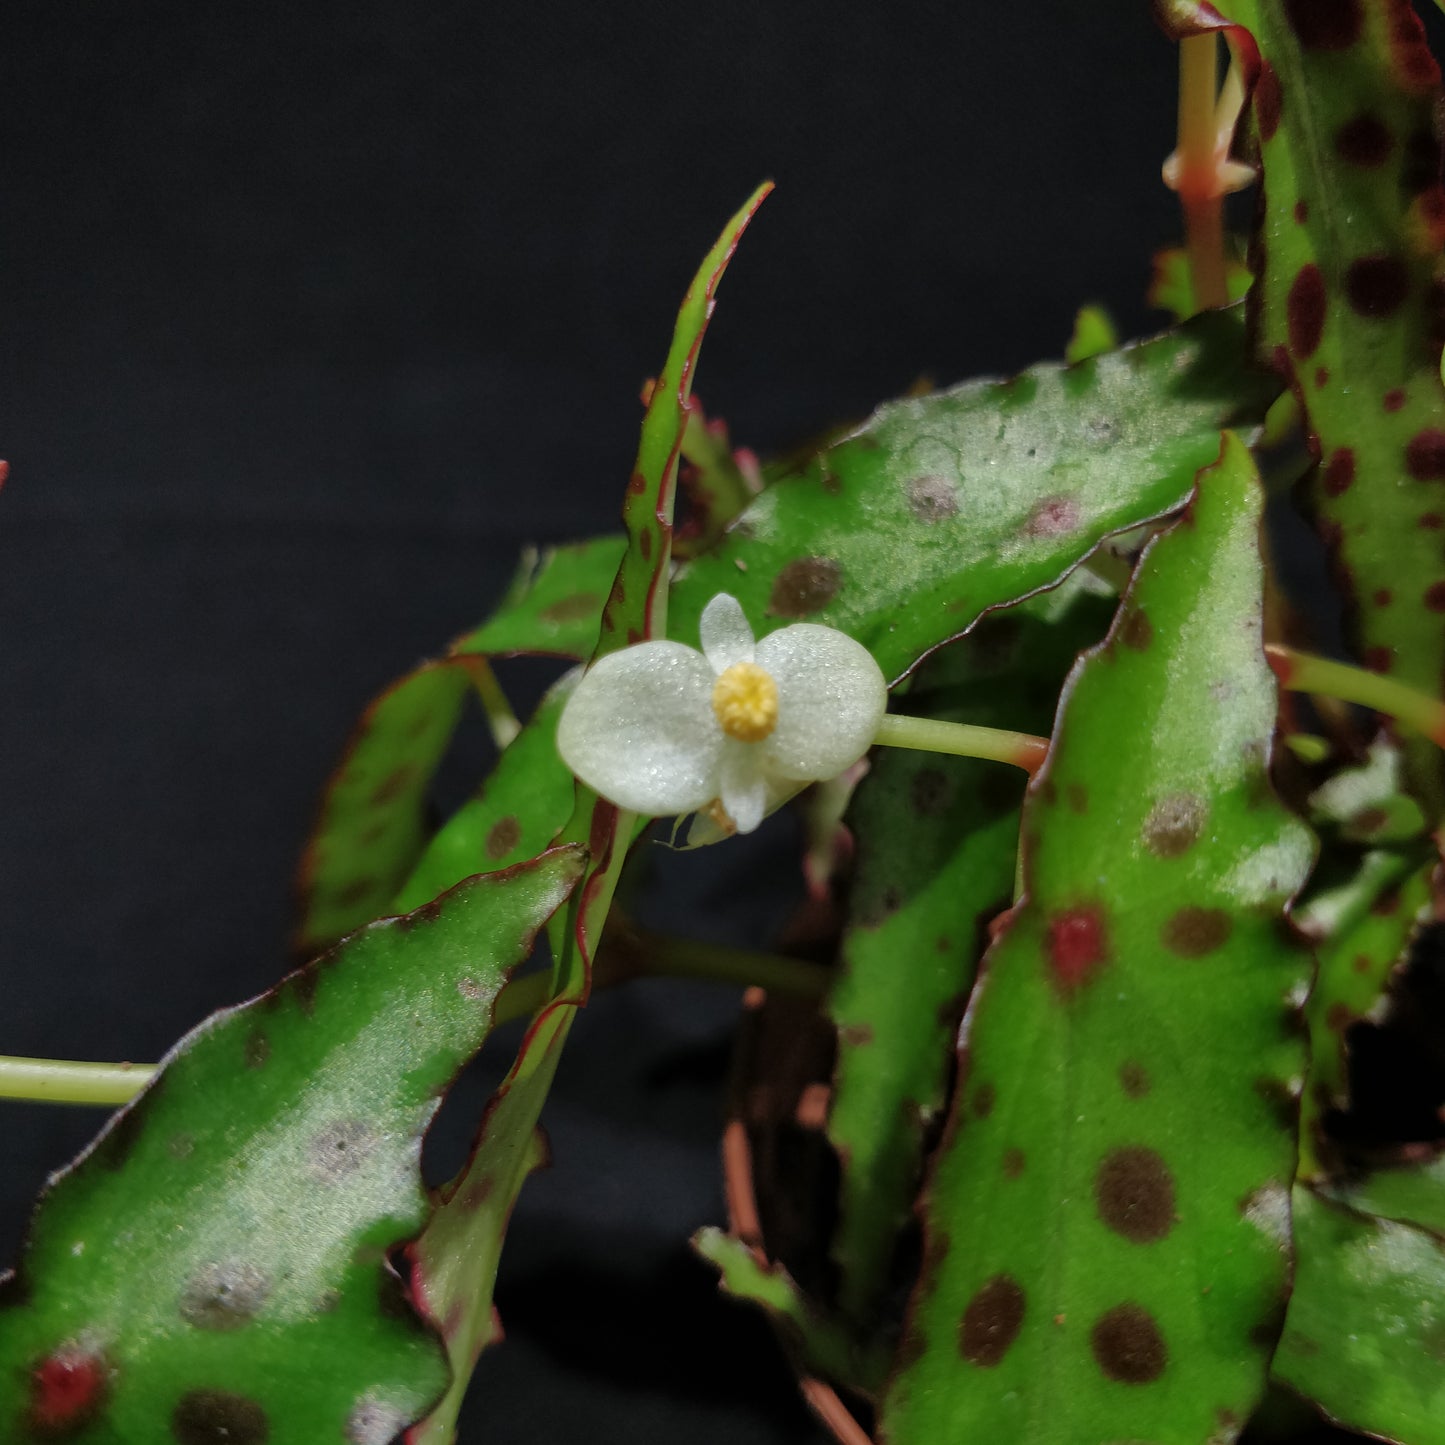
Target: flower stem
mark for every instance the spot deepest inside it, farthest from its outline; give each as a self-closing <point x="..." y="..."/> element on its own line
<point x="1199" y="193"/>
<point x="628" y="954"/>
<point x="964" y="740"/>
<point x="1303" y="672"/>
<point x="500" y="718"/>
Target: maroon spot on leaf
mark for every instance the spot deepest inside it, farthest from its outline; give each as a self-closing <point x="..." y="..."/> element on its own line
<point x="1376" y="286"/>
<point x="576" y="608"/>
<point x="503" y="836"/>
<point x="1382" y="597"/>
<point x="984" y="1098"/>
<point x="1339" y="472"/>
<point x="224" y="1295"/>
<point x="1053" y="516"/>
<point x="1338" y="1017"/>
<point x="1386" y="904"/>
<point x="932" y="499"/>
<point x="1137" y="632"/>
<point x="1013" y="1163"/>
<point x="394" y="785"/>
<point x="636" y="484"/>
<point x="931" y="791"/>
<point x="1301" y="212"/>
<point x="805" y="586"/>
<point x="257" y="1049"/>
<point x="1364" y="140"/>
<point x="67" y="1389"/>
<point x="1077" y="796"/>
<point x="1077" y="946"/>
<point x="217" y="1417"/>
<point x="1193" y="932"/>
<point x="991" y="1321"/>
<point x="339" y="1151"/>
<point x="1305" y="310"/>
<point x="1420" y="162"/>
<point x="1431" y="521"/>
<point x="1361" y="963"/>
<point x="478" y="1191"/>
<point x="1379" y="659"/>
<point x="1394" y="399"/>
<point x="1128" y="1346"/>
<point x="1174" y="824"/>
<point x="634" y="636"/>
<point x="1134" y="1194"/>
<point x="1425" y="455"/>
<point x="1325" y="24"/>
<point x="1134" y="1079"/>
<point x="1415" y="67"/>
<point x="1435" y="597"/>
<point x="1322" y="377"/>
<point x="1268" y="101"/>
<point x="856" y="1036"/>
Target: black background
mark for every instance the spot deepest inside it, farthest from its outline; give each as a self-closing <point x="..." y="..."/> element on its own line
<point x="311" y="316"/>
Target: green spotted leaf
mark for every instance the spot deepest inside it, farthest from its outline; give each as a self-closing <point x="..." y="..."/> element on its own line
<point x="907" y="530"/>
<point x="1365" y="1334"/>
<point x="937" y="839"/>
<point x="1106" y="1244"/>
<point x="1349" y="302"/>
<point x="214" y="1268"/>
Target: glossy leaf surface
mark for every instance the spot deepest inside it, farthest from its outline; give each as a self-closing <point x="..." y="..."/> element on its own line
<point x="216" y="1262"/>
<point x="1106" y="1240"/>
<point x="937" y="843"/>
<point x="940" y="507"/>
<point x="1366" y="1321"/>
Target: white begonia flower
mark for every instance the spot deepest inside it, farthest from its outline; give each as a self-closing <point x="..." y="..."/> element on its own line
<point x="662" y="729"/>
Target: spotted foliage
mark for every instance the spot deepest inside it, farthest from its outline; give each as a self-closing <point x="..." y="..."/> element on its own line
<point x="1086" y="1240"/>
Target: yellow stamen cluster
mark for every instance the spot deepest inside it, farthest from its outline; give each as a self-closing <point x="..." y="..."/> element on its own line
<point x="745" y="699"/>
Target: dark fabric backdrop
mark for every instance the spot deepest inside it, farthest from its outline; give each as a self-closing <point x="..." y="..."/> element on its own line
<point x="310" y="316"/>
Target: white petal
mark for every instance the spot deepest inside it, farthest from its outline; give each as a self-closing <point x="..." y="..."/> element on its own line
<point x="640" y="729"/>
<point x="726" y="636"/>
<point x="742" y="786"/>
<point x="831" y="695"/>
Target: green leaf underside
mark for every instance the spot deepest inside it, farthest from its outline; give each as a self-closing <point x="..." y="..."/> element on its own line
<point x="1365" y="1333"/>
<point x="1350" y="302"/>
<point x="215" y="1263"/>
<point x="521" y="807"/>
<point x="940" y="507"/>
<point x="1106" y="1247"/>
<point x="456" y="1293"/>
<point x="937" y="840"/>
<point x="554" y="605"/>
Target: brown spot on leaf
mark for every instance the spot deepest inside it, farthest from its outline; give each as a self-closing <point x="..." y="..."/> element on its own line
<point x="503" y="836"/>
<point x="1128" y="1346"/>
<point x="991" y="1321"/>
<point x="1137" y="631"/>
<point x="1134" y="1079"/>
<point x="576" y="608"/>
<point x="1301" y="212"/>
<point x="1305" y="310"/>
<point x="1339" y="472"/>
<point x="805" y="586"/>
<point x="984" y="1098"/>
<point x="1077" y="946"/>
<point x="1394" y="399"/>
<point x="1013" y="1163"/>
<point x="1379" y="659"/>
<point x="1338" y="1017"/>
<point x="1435" y="597"/>
<point x="1425" y="455"/>
<point x="1325" y="24"/>
<point x="1431" y="521"/>
<point x="1053" y="516"/>
<point x="1268" y="101"/>
<point x="1193" y="932"/>
<point x="1134" y="1193"/>
<point x="1415" y="66"/>
<point x="217" y="1417"/>
<point x="1322" y="377"/>
<point x="224" y="1295"/>
<point x="394" y="785"/>
<point x="1382" y="597"/>
<point x="67" y="1389"/>
<point x="1376" y="286"/>
<point x="1174" y="824"/>
<point x="1077" y="797"/>
<point x="932" y="499"/>
<point x="1364" y="140"/>
<point x="338" y="1151"/>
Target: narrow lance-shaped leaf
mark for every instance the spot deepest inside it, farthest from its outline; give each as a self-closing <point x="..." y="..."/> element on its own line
<point x="940" y="507"/>
<point x="214" y="1268"/>
<point x="454" y="1260"/>
<point x="1106" y="1250"/>
<point x="937" y="848"/>
<point x="1350" y="298"/>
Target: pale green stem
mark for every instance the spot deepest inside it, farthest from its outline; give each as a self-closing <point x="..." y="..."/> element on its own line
<point x="500" y="718"/>
<point x="1303" y="672"/>
<point x="1198" y="182"/>
<point x="65" y="1081"/>
<point x="964" y="740"/>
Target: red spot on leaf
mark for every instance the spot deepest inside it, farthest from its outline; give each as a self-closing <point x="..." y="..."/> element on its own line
<point x="1339" y="472"/>
<point x="1077" y="946"/>
<point x="1383" y="597"/>
<point x="1301" y="212"/>
<point x="1052" y="516"/>
<point x="1376" y="286"/>
<point x="1267" y="101"/>
<point x="1414" y="65"/>
<point x="66" y="1390"/>
<point x="1379" y="659"/>
<point x="1325" y="24"/>
<point x="1306" y="310"/>
<point x="1425" y="455"/>
<point x="636" y="483"/>
<point x="1364" y="141"/>
<point x="1432" y="521"/>
<point x="1322" y="377"/>
<point x="1435" y="597"/>
<point x="1394" y="399"/>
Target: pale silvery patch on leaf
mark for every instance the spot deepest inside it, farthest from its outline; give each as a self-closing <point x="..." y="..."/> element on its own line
<point x="662" y="729"/>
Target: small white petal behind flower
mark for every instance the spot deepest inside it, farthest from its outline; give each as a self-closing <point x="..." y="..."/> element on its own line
<point x="661" y="729"/>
